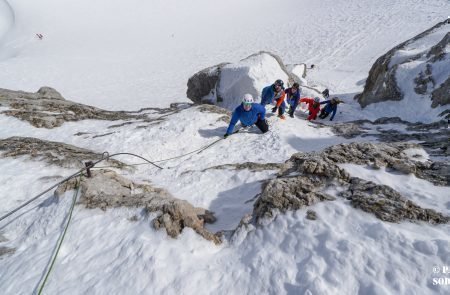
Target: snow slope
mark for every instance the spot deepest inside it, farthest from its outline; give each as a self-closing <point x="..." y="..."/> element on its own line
<point x="127" y="55"/>
<point x="132" y="54"/>
<point x="345" y="250"/>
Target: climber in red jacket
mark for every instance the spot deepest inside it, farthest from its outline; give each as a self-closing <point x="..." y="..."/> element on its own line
<point x="313" y="106"/>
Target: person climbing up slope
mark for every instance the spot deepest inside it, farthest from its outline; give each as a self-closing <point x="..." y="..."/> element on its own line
<point x="313" y="106"/>
<point x="248" y="113"/>
<point x="280" y="105"/>
<point x="272" y="92"/>
<point x="326" y="93"/>
<point x="293" y="97"/>
<point x="330" y="107"/>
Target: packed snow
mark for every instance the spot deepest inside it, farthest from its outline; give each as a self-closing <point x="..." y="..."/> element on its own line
<point x="127" y="55"/>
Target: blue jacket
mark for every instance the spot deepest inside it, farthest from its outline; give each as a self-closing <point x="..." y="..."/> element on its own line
<point x="267" y="95"/>
<point x="330" y="108"/>
<point x="246" y="118"/>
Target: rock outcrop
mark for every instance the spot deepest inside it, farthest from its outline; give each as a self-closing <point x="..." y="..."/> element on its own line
<point x="106" y="189"/>
<point x="306" y="177"/>
<point x="48" y="109"/>
<point x="55" y="153"/>
<point x="226" y="83"/>
<point x="432" y="137"/>
<point x="419" y="55"/>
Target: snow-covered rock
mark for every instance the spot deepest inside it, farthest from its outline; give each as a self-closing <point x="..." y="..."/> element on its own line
<point x="106" y="189"/>
<point x="416" y="72"/>
<point x="225" y="84"/>
<point x="307" y="179"/>
<point x="48" y="109"/>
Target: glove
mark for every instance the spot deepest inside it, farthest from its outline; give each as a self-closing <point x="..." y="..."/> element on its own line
<point x="226" y="135"/>
<point x="274" y="109"/>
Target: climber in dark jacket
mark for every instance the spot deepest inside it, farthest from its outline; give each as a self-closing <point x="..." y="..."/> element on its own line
<point x="272" y="93"/>
<point x="293" y="98"/>
<point x="330" y="107"/>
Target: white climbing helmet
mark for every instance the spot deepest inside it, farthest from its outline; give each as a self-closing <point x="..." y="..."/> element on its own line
<point x="247" y="98"/>
<point x="316" y="99"/>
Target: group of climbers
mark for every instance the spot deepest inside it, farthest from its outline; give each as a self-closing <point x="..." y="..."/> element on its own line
<point x="250" y="113"/>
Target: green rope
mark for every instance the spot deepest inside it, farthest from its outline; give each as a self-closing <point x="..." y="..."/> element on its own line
<point x="61" y="238"/>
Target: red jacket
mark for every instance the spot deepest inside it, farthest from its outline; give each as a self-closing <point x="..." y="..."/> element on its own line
<point x="313" y="111"/>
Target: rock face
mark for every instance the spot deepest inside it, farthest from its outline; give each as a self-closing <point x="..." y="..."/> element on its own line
<point x="432" y="137"/>
<point x="56" y="153"/>
<point x="225" y="84"/>
<point x="387" y="204"/>
<point x="203" y="83"/>
<point x="106" y="189"/>
<point x="417" y="60"/>
<point x="305" y="178"/>
<point x="47" y="108"/>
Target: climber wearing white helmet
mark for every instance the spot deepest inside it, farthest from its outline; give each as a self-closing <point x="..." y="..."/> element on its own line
<point x="248" y="113"/>
<point x="313" y="106"/>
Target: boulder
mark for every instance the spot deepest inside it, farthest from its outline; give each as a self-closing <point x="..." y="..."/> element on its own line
<point x="106" y="189"/>
<point x="225" y="84"/>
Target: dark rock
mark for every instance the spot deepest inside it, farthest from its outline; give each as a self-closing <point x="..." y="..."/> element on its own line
<point x="441" y="95"/>
<point x="6" y="251"/>
<point x="203" y="82"/>
<point x="311" y="215"/>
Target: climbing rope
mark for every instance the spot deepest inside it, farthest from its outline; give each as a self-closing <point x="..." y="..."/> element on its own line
<point x="107" y="156"/>
<point x="198" y="151"/>
<point x="39" y="195"/>
<point x="62" y="236"/>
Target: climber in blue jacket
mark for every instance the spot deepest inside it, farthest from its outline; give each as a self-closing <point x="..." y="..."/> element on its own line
<point x="272" y="92"/>
<point x="330" y="107"/>
<point x="248" y="113"/>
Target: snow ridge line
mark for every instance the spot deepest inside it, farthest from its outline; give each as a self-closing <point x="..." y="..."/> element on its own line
<point x="9" y="14"/>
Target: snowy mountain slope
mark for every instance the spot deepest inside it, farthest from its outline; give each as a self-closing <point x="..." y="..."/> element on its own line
<point x="128" y="55"/>
<point x="148" y="50"/>
<point x="118" y="255"/>
<point x="415" y="74"/>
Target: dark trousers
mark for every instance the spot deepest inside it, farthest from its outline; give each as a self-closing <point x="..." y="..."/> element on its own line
<point x="293" y="105"/>
<point x="262" y="125"/>
<point x="323" y="114"/>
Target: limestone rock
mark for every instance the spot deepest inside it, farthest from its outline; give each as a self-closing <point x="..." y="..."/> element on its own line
<point x="387" y="204"/>
<point x="305" y="177"/>
<point x="55" y="153"/>
<point x="48" y="109"/>
<point x="106" y="189"/>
